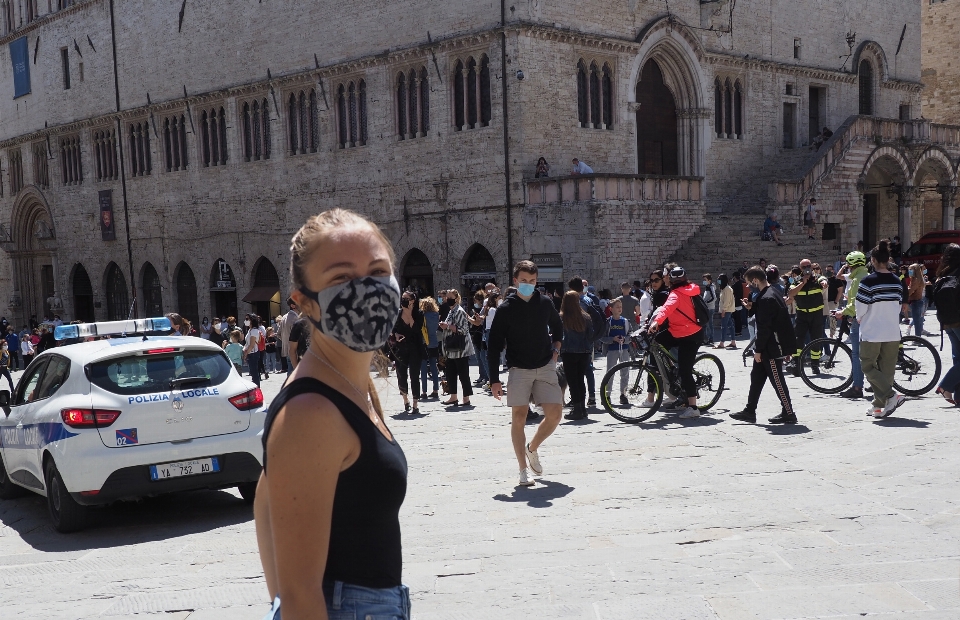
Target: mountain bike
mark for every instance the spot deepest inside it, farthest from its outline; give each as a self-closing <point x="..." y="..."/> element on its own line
<point x="653" y="371"/>
<point x="917" y="372"/>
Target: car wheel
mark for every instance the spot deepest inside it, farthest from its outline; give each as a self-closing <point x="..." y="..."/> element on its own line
<point x="248" y="491"/>
<point x="8" y="489"/>
<point x="66" y="514"/>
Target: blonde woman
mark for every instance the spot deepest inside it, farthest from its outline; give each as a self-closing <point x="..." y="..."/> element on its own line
<point x="431" y="323"/>
<point x="334" y="477"/>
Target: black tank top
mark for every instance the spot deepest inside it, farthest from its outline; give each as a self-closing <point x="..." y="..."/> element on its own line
<point x="365" y="530"/>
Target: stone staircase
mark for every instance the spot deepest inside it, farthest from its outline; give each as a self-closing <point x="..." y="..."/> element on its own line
<point x="726" y="240"/>
<point x="751" y="193"/>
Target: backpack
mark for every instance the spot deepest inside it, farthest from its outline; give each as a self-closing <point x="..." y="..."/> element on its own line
<point x="713" y="297"/>
<point x="600" y="325"/>
<point x="946" y="295"/>
<point x="701" y="313"/>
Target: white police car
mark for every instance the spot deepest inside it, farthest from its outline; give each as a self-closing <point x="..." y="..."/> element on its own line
<point x="128" y="417"/>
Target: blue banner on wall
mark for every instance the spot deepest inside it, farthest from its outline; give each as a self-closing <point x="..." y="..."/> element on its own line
<point x="20" y="55"/>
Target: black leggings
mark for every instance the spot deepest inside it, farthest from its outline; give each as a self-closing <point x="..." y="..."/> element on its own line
<point x="409" y="367"/>
<point x="771" y="369"/>
<point x="459" y="368"/>
<point x="575" y="368"/>
<point x="687" y="348"/>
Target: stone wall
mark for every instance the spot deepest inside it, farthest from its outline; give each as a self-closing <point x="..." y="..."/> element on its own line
<point x="941" y="69"/>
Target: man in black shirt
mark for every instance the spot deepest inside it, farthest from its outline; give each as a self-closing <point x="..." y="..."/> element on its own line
<point x="529" y="327"/>
<point x="775" y="341"/>
<point x="299" y="341"/>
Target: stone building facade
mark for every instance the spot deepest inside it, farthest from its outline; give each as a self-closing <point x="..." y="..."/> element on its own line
<point x="939" y="58"/>
<point x="216" y="128"/>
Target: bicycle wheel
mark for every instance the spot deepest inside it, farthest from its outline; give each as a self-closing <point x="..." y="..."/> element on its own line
<point x="918" y="367"/>
<point x="834" y="366"/>
<point x="709" y="375"/>
<point x="640" y="380"/>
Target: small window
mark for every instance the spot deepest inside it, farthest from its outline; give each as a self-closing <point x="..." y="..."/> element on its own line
<point x="791" y="89"/>
<point x="906" y="113"/>
<point x="27" y="391"/>
<point x="65" y="63"/>
<point x="147" y="374"/>
<point x="796" y="48"/>
<point x="58" y="369"/>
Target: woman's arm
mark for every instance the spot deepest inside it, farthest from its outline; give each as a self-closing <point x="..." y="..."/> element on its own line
<point x="309" y="440"/>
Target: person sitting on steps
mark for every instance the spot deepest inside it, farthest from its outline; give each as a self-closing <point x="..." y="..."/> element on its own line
<point x="772" y="229"/>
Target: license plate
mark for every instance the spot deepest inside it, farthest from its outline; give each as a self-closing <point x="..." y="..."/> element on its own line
<point x="179" y="469"/>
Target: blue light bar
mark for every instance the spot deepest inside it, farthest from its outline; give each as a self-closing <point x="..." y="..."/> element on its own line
<point x="113" y="328"/>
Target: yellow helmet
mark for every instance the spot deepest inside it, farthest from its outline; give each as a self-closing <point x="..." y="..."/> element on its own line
<point x="856" y="259"/>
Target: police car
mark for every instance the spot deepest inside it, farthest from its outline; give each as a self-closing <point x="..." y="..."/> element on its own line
<point x="128" y="417"/>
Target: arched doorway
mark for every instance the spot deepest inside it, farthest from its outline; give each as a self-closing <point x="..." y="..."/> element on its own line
<point x="865" y="79"/>
<point x="479" y="268"/>
<point x="223" y="289"/>
<point x="33" y="257"/>
<point x="152" y="292"/>
<point x="417" y="273"/>
<point x="657" y="143"/>
<point x="884" y="192"/>
<point x="265" y="294"/>
<point x="187" y="305"/>
<point x="934" y="181"/>
<point x="82" y="295"/>
<point x="118" y="303"/>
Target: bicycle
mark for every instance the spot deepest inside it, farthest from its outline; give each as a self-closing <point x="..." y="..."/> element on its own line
<point x="652" y="370"/>
<point x="917" y="361"/>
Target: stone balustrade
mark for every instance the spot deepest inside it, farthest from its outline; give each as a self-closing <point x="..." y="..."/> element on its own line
<point x="612" y="187"/>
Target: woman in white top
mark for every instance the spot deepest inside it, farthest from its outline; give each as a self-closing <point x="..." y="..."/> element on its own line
<point x="251" y="349"/>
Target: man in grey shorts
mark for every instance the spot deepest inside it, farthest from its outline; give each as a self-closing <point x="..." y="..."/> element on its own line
<point x="528" y="325"/>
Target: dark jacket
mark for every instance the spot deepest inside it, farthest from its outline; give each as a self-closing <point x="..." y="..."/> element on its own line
<point x="527" y="329"/>
<point x="576" y="342"/>
<point x="775" y="333"/>
<point x="412" y="345"/>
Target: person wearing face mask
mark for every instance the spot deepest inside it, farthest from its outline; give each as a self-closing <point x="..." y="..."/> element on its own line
<point x="709" y="294"/>
<point x="457" y="347"/>
<point x="807" y="295"/>
<point x="251" y="350"/>
<point x="727" y="306"/>
<point x="475" y="317"/>
<point x="529" y="326"/>
<point x="775" y="342"/>
<point x="406" y="343"/>
<point x="835" y="288"/>
<point x="205" y="328"/>
<point x="334" y="476"/>
<point x="918" y="296"/>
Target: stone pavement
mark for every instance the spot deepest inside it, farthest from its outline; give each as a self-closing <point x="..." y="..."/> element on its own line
<point x="841" y="516"/>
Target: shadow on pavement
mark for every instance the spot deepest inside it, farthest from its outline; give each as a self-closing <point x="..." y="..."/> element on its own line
<point x="125" y="523"/>
<point x="583" y="422"/>
<point x="672" y="421"/>
<point x="901" y="423"/>
<point x="408" y="416"/>
<point x="539" y="496"/>
<point x="785" y="429"/>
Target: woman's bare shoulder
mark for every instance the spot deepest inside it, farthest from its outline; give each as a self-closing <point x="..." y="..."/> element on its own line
<point x="312" y="417"/>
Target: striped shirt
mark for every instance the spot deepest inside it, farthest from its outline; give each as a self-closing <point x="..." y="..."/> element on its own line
<point x="879" y="299"/>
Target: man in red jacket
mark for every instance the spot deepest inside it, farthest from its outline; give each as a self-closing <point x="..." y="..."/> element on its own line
<point x="683" y="332"/>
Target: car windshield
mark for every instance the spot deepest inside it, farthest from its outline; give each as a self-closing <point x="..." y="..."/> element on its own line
<point x="926" y="249"/>
<point x="145" y="374"/>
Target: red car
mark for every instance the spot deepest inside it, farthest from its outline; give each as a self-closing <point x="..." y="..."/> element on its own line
<point x="928" y="249"/>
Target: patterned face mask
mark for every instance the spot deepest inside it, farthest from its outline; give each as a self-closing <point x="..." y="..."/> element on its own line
<point x="360" y="313"/>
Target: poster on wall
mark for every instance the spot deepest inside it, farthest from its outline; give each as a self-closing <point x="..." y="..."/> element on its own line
<point x="107" y="225"/>
<point x="20" y="56"/>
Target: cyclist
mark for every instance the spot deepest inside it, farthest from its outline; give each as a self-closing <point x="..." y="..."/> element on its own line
<point x="854" y="271"/>
<point x="775" y="342"/>
<point x="807" y="294"/>
<point x="683" y="332"/>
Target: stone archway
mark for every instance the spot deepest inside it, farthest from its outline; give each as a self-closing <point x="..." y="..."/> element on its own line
<point x="676" y="53"/>
<point x="936" y="186"/>
<point x="657" y="148"/>
<point x="32" y="247"/>
<point x="887" y="197"/>
<point x="416" y="272"/>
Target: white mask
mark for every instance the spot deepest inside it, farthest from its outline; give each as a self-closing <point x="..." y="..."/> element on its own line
<point x="246" y="323"/>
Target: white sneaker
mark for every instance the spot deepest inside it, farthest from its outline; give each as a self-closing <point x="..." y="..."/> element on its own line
<point x="893" y="403"/>
<point x="648" y="403"/>
<point x="525" y="479"/>
<point x="690" y="412"/>
<point x="876" y="412"/>
<point x="534" y="459"/>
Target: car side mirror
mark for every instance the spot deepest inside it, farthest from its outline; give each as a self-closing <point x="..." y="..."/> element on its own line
<point x="5" y="401"/>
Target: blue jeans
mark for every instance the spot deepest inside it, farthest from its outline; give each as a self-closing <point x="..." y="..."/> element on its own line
<point x="917" y="309"/>
<point x="270" y="363"/>
<point x="855" y="350"/>
<point x="726" y="328"/>
<point x="345" y="601"/>
<point x="708" y="330"/>
<point x="428" y="369"/>
<point x="951" y="380"/>
<point x="253" y="364"/>
<point x="483" y="364"/>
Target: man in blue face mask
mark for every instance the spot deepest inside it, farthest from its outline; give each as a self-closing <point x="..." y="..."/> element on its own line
<point x="528" y="325"/>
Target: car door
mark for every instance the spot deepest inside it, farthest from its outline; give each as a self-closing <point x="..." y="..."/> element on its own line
<point x="15" y="436"/>
<point x="41" y="419"/>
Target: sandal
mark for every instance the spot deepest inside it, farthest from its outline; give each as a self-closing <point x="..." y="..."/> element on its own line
<point x="719" y="346"/>
<point x="732" y="347"/>
<point x="941" y="392"/>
